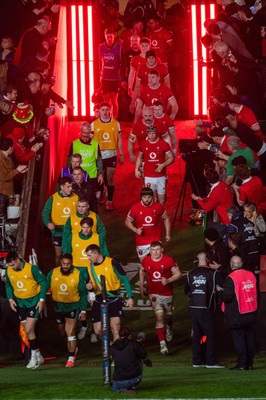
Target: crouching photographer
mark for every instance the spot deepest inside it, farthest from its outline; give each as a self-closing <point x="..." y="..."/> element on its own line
<point x="128" y="356"/>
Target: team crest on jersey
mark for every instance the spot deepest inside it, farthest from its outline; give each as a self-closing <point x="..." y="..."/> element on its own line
<point x="152" y="155"/>
<point x="66" y="210"/>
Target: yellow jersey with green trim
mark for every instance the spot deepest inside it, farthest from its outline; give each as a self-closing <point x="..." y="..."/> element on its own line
<point x="64" y="288"/>
<point x="75" y="222"/>
<point x="106" y="134"/>
<point x="79" y="245"/>
<point x="23" y="282"/>
<point x="63" y="207"/>
<point x="106" y="269"/>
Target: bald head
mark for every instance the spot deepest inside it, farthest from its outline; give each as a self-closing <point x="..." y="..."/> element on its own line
<point x="236" y="263"/>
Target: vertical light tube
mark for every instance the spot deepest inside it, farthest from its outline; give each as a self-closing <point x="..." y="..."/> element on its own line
<point x="91" y="57"/>
<point x="74" y="61"/>
<point x="204" y="57"/>
<point x="195" y="59"/>
<point x="82" y="82"/>
<point x="212" y="11"/>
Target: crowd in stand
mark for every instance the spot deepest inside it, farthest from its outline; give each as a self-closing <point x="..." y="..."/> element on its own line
<point x="226" y="168"/>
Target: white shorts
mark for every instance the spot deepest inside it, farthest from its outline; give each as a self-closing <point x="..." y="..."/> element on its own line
<point x="158" y="185"/>
<point x="143" y="251"/>
<point x="160" y="303"/>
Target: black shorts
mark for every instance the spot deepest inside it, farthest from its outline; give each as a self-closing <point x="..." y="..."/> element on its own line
<point x="57" y="241"/>
<point x="60" y="317"/>
<point x="110" y="86"/>
<point x="31" y="312"/>
<point x="110" y="162"/>
<point x="114" y="309"/>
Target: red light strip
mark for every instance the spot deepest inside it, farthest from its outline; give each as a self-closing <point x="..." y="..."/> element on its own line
<point x="74" y="61"/>
<point x="204" y="57"/>
<point x="82" y="85"/>
<point x="91" y="58"/>
<point x="195" y="60"/>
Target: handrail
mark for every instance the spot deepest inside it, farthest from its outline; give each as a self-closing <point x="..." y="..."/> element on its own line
<point x="22" y="231"/>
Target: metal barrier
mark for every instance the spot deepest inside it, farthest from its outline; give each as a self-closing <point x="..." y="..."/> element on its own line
<point x="22" y="231"/>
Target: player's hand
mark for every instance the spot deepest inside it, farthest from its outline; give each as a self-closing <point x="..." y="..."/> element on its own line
<point x="132" y="107"/>
<point x="214" y="265"/>
<point x="100" y="179"/>
<point x="51" y="226"/>
<point x="13" y="305"/>
<point x="164" y="281"/>
<point x="195" y="197"/>
<point x="40" y="306"/>
<point x="132" y="159"/>
<point x="203" y="145"/>
<point x="82" y="316"/>
<point x="121" y="159"/>
<point x="130" y="303"/>
<point x="139" y="231"/>
<point x="89" y="286"/>
<point x="167" y="238"/>
<point x="159" y="168"/>
<point x="137" y="173"/>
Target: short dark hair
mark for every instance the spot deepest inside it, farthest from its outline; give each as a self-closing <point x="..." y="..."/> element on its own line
<point x="213" y="29"/>
<point x="67" y="256"/>
<point x="211" y="234"/>
<point x="124" y="332"/>
<point x="157" y="103"/>
<point x="65" y="179"/>
<point x="156" y="243"/>
<point x="9" y="87"/>
<point x="240" y="160"/>
<point x="212" y="175"/>
<point x="150" y="53"/>
<point x="82" y="200"/>
<point x="87" y="220"/>
<point x="94" y="248"/>
<point x="216" y="132"/>
<point x="145" y="40"/>
<point x="77" y="169"/>
<point x="12" y="256"/>
<point x="5" y="144"/>
<point x="154" y="72"/>
<point x="242" y="171"/>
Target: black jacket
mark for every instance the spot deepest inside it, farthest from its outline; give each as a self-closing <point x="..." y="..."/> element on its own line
<point x="233" y="318"/>
<point x="127" y="355"/>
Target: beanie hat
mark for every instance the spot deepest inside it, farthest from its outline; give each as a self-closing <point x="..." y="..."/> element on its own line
<point x="211" y="234"/>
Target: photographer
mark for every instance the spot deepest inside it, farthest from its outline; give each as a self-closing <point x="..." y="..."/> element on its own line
<point x="128" y="356"/>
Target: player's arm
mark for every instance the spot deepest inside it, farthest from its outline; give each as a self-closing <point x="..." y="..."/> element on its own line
<point x="131" y="77"/>
<point x="10" y="294"/>
<point x="46" y="214"/>
<point x="130" y="225"/>
<point x="83" y="297"/>
<point x="142" y="279"/>
<point x="138" y="165"/>
<point x="176" y="274"/>
<point x="172" y="133"/>
<point x="139" y="107"/>
<point x="169" y="159"/>
<point x="131" y="141"/>
<point x="119" y="271"/>
<point x="100" y="228"/>
<point x="166" y="81"/>
<point x="120" y="148"/>
<point x="41" y="279"/>
<point x="167" y="224"/>
<point x="66" y="232"/>
<point x="135" y="93"/>
<point x="173" y="103"/>
<point x="67" y="244"/>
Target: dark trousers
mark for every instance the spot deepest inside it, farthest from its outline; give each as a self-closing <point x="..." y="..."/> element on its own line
<point x="3" y="203"/>
<point x="244" y="346"/>
<point x="203" y="324"/>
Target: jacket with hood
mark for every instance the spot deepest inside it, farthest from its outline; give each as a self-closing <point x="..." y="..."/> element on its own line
<point x="127" y="355"/>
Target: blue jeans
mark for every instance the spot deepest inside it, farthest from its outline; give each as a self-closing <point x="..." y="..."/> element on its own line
<point x="117" y="385"/>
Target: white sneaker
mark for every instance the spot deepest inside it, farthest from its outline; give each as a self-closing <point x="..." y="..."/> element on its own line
<point x="94" y="338"/>
<point x="40" y="359"/>
<point x="33" y="363"/>
<point x="163" y="348"/>
<point x="83" y="332"/>
<point x="168" y="334"/>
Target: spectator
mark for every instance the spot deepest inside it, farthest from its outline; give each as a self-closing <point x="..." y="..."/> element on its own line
<point x="219" y="198"/>
<point x="22" y="154"/>
<point x="7" y="172"/>
<point x="250" y="190"/>
<point x="7" y="49"/>
<point x="219" y="254"/>
<point x="32" y="40"/>
<point x="3" y="74"/>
